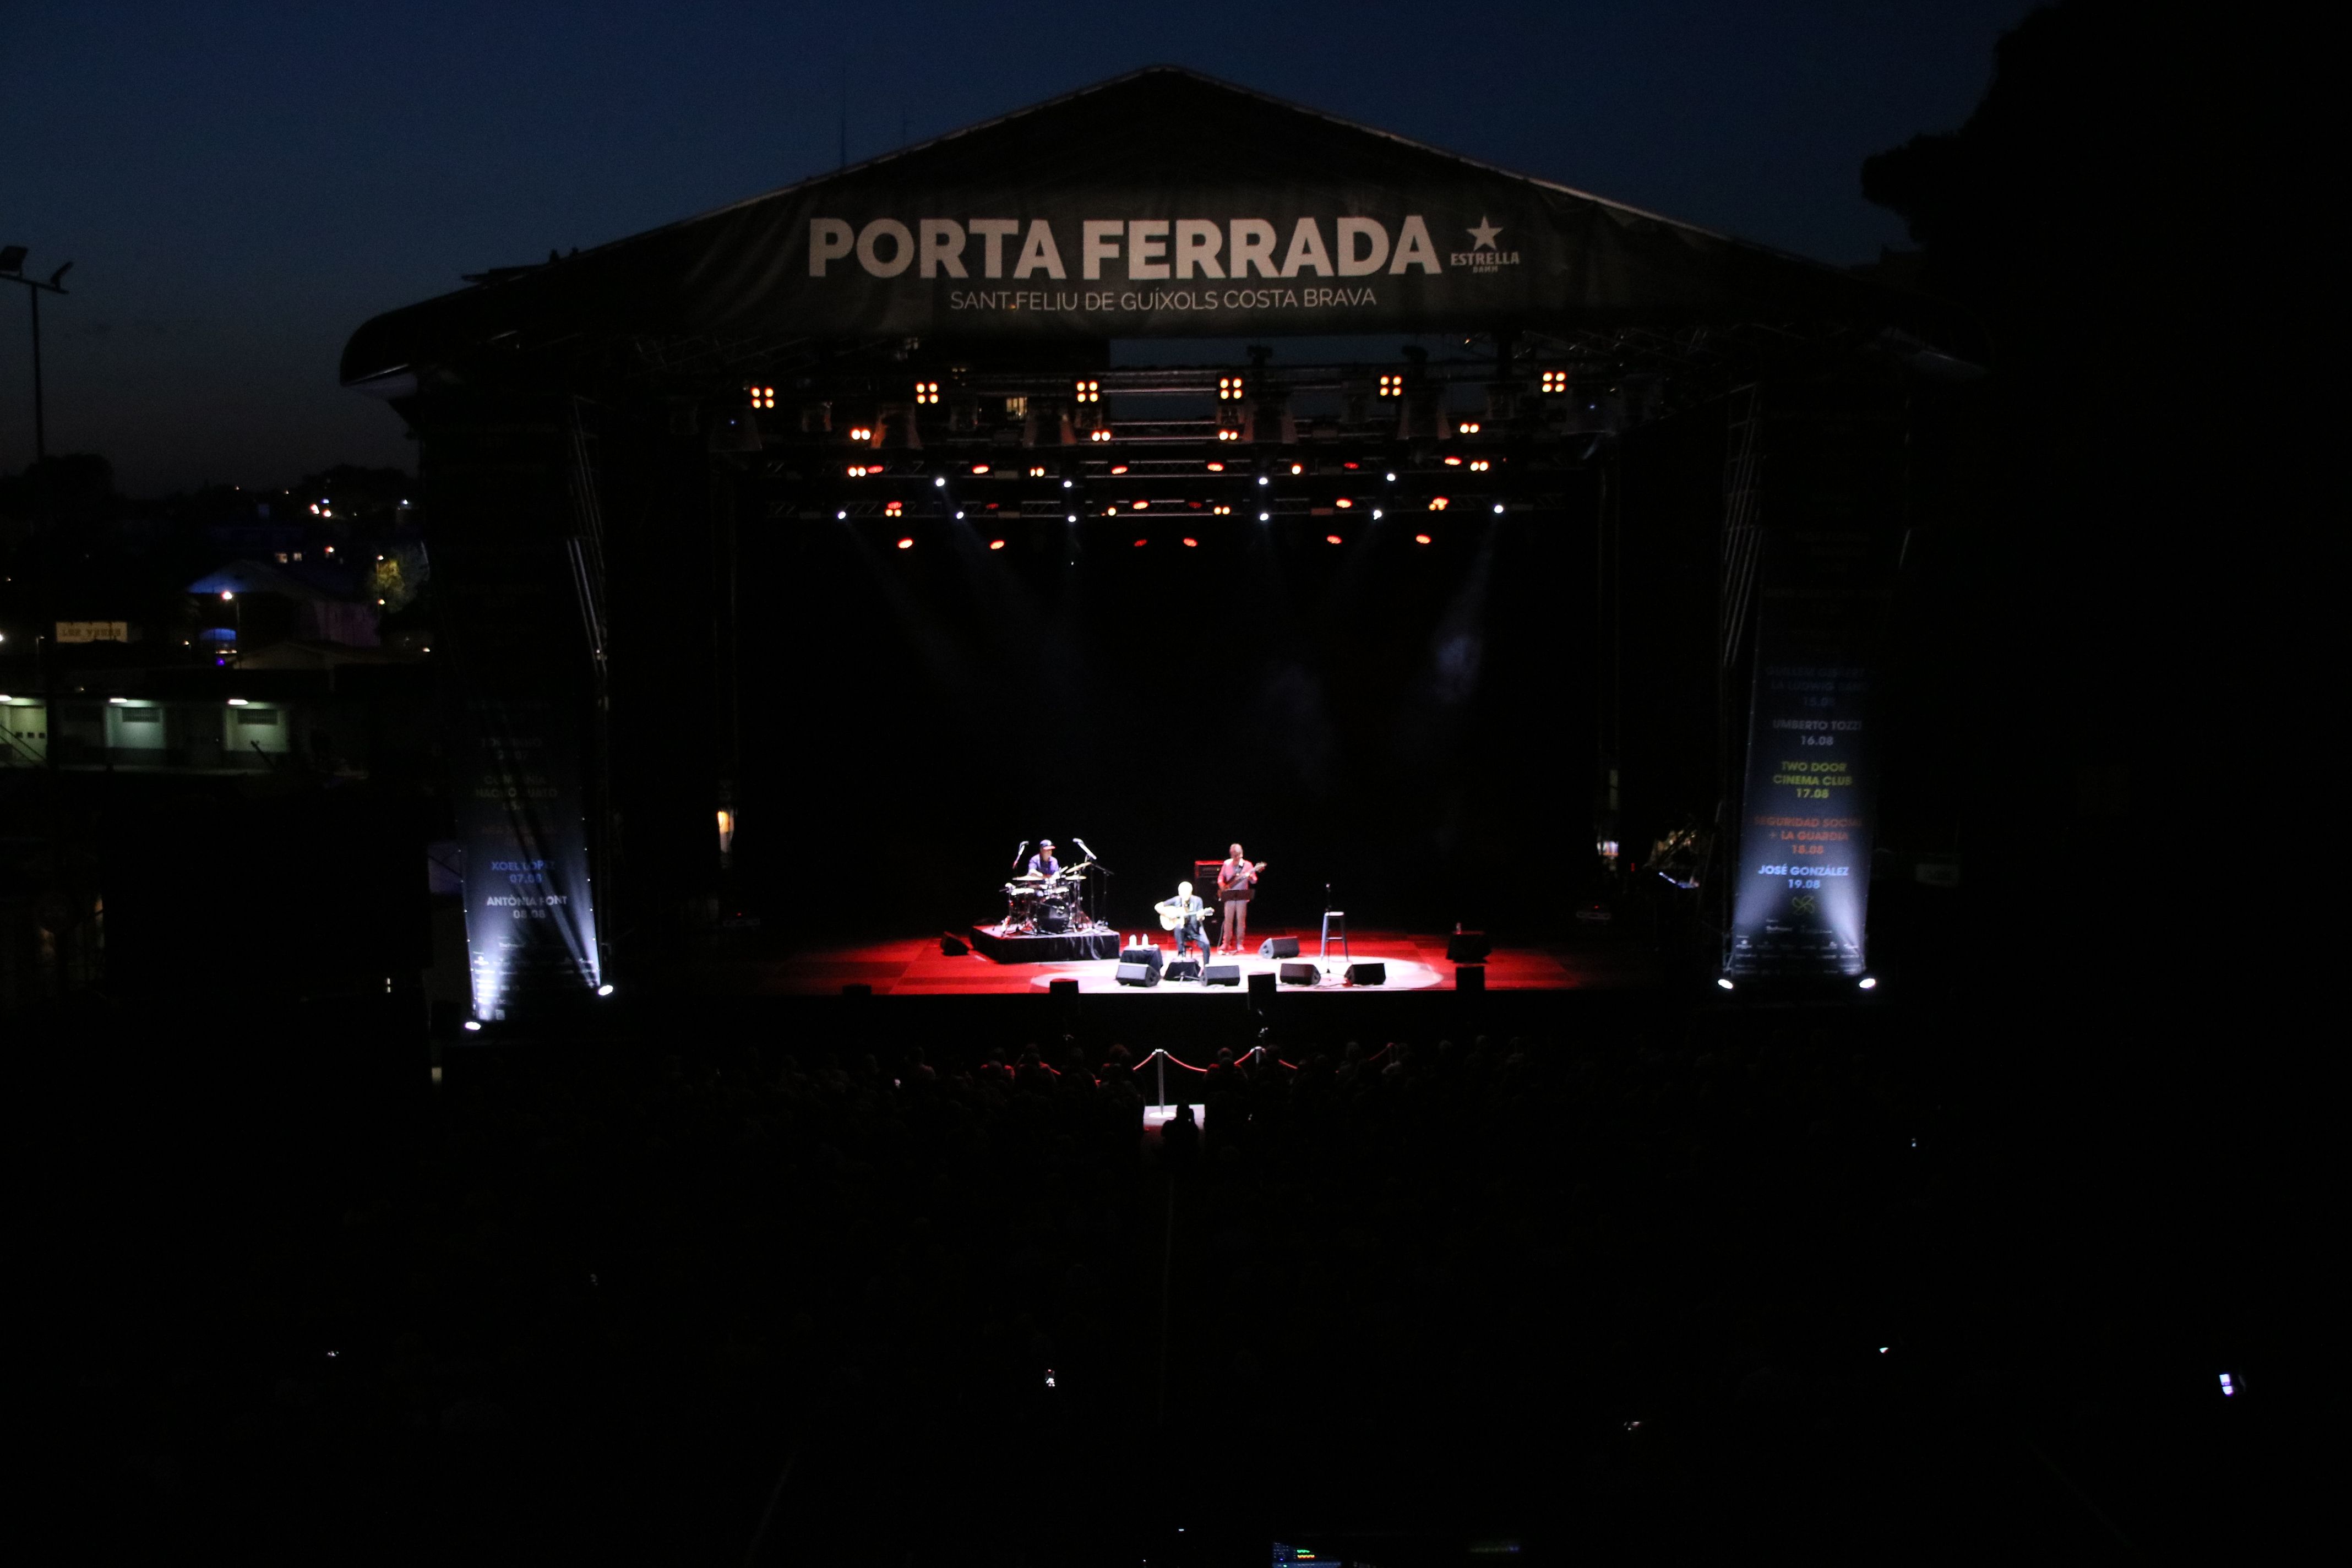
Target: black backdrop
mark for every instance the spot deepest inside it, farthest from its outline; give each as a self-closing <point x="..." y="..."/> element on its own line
<point x="1411" y="723"/>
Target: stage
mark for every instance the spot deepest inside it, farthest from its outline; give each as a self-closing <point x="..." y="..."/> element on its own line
<point x="914" y="966"/>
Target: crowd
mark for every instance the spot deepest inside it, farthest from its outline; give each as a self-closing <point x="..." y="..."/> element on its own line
<point x="650" y="1291"/>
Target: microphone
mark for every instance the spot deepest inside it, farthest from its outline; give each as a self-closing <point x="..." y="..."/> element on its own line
<point x="1020" y="852"/>
<point x="1083" y="845"/>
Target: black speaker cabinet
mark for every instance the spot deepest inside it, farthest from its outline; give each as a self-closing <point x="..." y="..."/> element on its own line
<point x="1222" y="974"/>
<point x="953" y="945"/>
<point x="1063" y="990"/>
<point x="1184" y="969"/>
<point x="1151" y="955"/>
<point x="1373" y="972"/>
<point x="1470" y="977"/>
<point x="1279" y="947"/>
<point x="1136" y="975"/>
<point x="1300" y="974"/>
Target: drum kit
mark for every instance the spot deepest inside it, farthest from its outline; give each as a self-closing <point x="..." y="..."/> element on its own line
<point x="1035" y="902"/>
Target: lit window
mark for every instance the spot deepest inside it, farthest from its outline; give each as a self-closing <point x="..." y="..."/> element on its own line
<point x="1090" y="391"/>
<point x="1555" y="381"/>
<point x="1392" y="387"/>
<point x="762" y="396"/>
<point x="927" y="392"/>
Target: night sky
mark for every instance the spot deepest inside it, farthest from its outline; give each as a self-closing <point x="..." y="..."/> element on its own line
<point x="240" y="185"/>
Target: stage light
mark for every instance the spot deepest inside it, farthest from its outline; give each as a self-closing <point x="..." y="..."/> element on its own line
<point x="958" y="514"/>
<point x="1498" y="509"/>
<point x="996" y="544"/>
<point x="1378" y="514"/>
<point x="1065" y="483"/>
<point x="940" y="483"/>
<point x="1098" y="436"/>
<point x="1479" y="464"/>
<point x="1141" y="542"/>
<point x="1118" y="467"/>
<point x="1452" y="462"/>
<point x="1191" y="543"/>
<point x="227" y="595"/>
<point x="1216" y="468"/>
<point x="841" y="516"/>
<point x="979" y="468"/>
<point x="1037" y="473"/>
<point x="1298" y="467"/>
<point x="1867" y="982"/>
<point x="906" y="544"/>
<point x="1229" y="435"/>
<point x="891" y="509"/>
<point x="860" y="433"/>
<point x="1331" y="539"/>
<point x="1072" y="517"/>
<point x="927" y="392"/>
<point x="1420" y="539"/>
<point x="1221" y="512"/>
<point x="1343" y="503"/>
<point x="1469" y="427"/>
<point x="1555" y="381"/>
<point x="1263" y="481"/>
<point x="2229" y="1388"/>
<point x="1439" y="503"/>
<point x="1719" y="980"/>
<point x="1392" y="479"/>
<point x="1142" y="506"/>
<point x="119" y="701"/>
<point x="605" y="989"/>
<point x="1392" y="387"/>
<point x="473" y="1025"/>
<point x="1265" y="517"/>
<point x="239" y="703"/>
<point x="761" y="397"/>
<point x="1090" y="391"/>
<point x="1229" y="389"/>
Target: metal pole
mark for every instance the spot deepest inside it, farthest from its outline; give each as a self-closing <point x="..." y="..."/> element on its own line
<point x="40" y="426"/>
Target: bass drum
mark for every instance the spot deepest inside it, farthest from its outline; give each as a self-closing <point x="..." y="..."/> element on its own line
<point x="1053" y="920"/>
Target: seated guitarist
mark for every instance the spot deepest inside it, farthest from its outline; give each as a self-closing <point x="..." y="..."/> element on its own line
<point x="1182" y="914"/>
<point x="1236" y="878"/>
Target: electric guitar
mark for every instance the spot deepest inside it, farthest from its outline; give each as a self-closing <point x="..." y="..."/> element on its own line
<point x="1255" y="870"/>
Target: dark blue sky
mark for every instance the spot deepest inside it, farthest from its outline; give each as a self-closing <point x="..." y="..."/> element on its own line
<point x="239" y="185"/>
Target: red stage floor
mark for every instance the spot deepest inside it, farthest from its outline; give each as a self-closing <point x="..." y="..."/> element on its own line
<point x="915" y="967"/>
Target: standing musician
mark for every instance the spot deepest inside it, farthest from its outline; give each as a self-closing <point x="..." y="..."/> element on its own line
<point x="1236" y="878"/>
<point x="1043" y="864"/>
<point x="1182" y="914"/>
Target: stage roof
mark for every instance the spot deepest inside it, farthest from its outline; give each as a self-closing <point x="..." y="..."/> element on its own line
<point x="1162" y="202"/>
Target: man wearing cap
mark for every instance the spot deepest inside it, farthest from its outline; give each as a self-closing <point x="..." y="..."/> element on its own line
<point x="1043" y="864"/>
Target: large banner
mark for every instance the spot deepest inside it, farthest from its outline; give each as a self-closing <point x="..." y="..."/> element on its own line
<point x="1800" y="904"/>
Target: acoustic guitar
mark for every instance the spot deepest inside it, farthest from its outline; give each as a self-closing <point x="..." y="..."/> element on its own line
<point x="1172" y="916"/>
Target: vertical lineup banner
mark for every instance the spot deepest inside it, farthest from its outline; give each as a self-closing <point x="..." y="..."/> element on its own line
<point x="1802" y="894"/>
<point x="530" y="924"/>
<point x="1836" y="466"/>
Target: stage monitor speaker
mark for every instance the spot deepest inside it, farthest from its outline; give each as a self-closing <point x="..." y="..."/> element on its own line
<point x="1062" y="990"/>
<point x="1300" y="974"/>
<point x="1151" y="955"/>
<point x="1470" y="977"/>
<point x="1222" y="974"/>
<point x="1261" y="985"/>
<point x="1133" y="975"/>
<point x="1279" y="947"/>
<point x="953" y="945"/>
<point x="1372" y="972"/>
<point x="1467" y="947"/>
<point x="1184" y="969"/>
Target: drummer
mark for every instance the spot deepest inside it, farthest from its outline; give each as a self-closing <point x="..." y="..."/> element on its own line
<point x="1043" y="864"/>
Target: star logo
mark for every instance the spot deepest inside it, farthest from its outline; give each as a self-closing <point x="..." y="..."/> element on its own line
<point x="1484" y="235"/>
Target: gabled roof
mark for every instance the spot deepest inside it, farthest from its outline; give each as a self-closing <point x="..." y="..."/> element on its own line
<point x="1175" y="172"/>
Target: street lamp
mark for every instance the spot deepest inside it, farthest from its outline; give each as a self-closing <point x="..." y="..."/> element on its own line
<point x="12" y="271"/>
